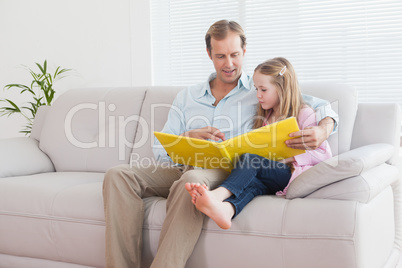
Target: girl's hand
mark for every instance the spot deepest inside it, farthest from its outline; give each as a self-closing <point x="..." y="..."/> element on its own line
<point x="287" y="160"/>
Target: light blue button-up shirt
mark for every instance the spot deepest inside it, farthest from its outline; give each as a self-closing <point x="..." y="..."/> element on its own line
<point x="233" y="115"/>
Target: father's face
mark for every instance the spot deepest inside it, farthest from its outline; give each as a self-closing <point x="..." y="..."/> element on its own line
<point x="227" y="56"/>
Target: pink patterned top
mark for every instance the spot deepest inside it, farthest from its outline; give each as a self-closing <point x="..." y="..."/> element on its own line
<point x="310" y="158"/>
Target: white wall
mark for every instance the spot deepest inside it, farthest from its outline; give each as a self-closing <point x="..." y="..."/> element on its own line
<point x="107" y="43"/>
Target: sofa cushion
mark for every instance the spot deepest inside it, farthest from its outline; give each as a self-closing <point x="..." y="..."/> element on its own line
<point x="285" y="233"/>
<point x="343" y="166"/>
<point x="362" y="188"/>
<point x="54" y="216"/>
<point x="74" y="195"/>
<point x="92" y="129"/>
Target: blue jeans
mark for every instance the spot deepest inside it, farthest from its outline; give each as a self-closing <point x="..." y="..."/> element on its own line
<point x="254" y="175"/>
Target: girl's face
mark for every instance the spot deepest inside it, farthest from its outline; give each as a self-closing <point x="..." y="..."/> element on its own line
<point x="267" y="92"/>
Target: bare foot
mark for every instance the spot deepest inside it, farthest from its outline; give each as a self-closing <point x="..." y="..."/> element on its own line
<point x="189" y="187"/>
<point x="192" y="190"/>
<point x="194" y="196"/>
<point x="220" y="212"/>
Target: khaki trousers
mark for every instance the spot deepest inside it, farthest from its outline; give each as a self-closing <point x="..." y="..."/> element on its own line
<point x="123" y="190"/>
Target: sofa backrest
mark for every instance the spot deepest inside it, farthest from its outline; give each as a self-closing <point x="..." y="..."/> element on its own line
<point x="91" y="129"/>
<point x="154" y="111"/>
<point x="378" y="123"/>
<point x="95" y="129"/>
<point x="343" y="99"/>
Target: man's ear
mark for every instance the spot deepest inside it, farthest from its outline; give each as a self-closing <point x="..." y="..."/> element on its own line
<point x="244" y="50"/>
<point x="209" y="53"/>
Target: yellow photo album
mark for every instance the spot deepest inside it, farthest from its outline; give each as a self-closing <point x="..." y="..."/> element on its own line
<point x="267" y="141"/>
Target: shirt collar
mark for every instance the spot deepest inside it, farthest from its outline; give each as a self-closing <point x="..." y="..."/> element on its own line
<point x="243" y="83"/>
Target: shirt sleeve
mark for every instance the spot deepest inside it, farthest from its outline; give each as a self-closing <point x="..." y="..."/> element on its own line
<point x="175" y="124"/>
<point x="322" y="109"/>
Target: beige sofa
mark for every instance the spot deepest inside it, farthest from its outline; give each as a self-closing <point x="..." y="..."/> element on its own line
<point x="343" y="213"/>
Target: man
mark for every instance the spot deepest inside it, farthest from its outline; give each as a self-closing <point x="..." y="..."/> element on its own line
<point x="220" y="108"/>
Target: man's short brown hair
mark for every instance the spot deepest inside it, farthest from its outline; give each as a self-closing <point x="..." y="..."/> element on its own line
<point x="219" y="30"/>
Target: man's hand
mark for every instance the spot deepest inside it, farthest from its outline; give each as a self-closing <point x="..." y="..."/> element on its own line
<point x="312" y="137"/>
<point x="205" y="133"/>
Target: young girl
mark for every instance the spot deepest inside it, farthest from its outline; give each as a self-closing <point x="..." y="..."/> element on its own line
<point x="279" y="98"/>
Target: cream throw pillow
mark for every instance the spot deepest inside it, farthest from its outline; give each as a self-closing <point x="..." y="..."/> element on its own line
<point x="340" y="167"/>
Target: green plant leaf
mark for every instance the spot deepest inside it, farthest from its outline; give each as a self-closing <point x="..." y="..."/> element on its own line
<point x="42" y="85"/>
<point x="33" y="83"/>
<point x="48" y="78"/>
<point x="63" y="71"/>
<point x="31" y="110"/>
<point x="17" y="109"/>
<point x="34" y="75"/>
<point x="41" y="68"/>
<point x="27" y="129"/>
<point x="30" y="90"/>
<point x="45" y="67"/>
<point x="39" y="102"/>
<point x="41" y="89"/>
<point x="56" y="72"/>
<point x="7" y="111"/>
<point x="51" y="96"/>
<point x="24" y="87"/>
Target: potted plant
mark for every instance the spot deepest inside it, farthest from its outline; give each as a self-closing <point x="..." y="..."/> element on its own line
<point x="41" y="91"/>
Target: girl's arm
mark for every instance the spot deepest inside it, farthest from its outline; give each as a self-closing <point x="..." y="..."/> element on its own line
<point x="313" y="137"/>
<point x="306" y="120"/>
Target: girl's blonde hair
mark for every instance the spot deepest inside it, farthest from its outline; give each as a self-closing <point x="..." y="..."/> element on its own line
<point x="287" y="86"/>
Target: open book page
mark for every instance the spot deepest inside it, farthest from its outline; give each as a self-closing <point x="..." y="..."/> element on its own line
<point x="193" y="152"/>
<point x="267" y="141"/>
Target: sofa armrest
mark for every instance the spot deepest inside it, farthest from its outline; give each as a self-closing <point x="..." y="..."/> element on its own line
<point x="22" y="156"/>
<point x="362" y="188"/>
<point x="40" y="118"/>
<point x="384" y="126"/>
<point x="347" y="165"/>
